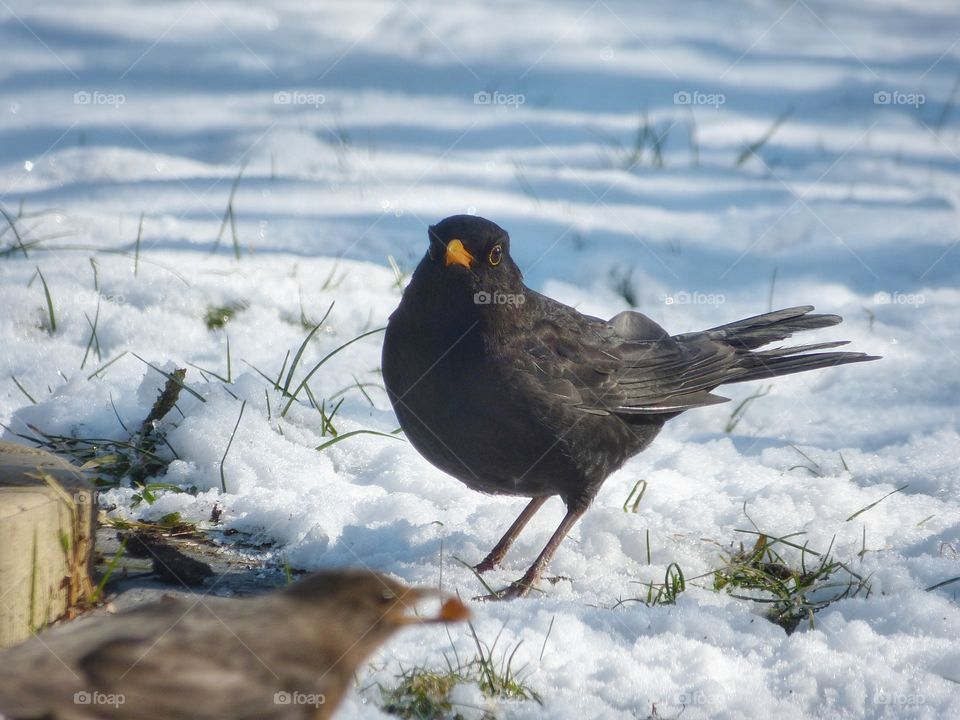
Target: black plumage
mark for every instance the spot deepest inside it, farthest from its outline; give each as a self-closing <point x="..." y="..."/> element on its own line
<point x="514" y="393"/>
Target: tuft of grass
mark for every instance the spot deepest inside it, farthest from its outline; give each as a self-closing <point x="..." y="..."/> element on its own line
<point x="103" y="367"/>
<point x="223" y="478"/>
<point x="649" y="139"/>
<point x="663" y="593"/>
<point x="399" y="275"/>
<point x="292" y="396"/>
<point x="754" y="148"/>
<point x="94" y="342"/>
<point x="78" y="583"/>
<point x="170" y="525"/>
<point x="343" y="436"/>
<point x="229" y="216"/>
<point x="361" y="387"/>
<point x="23" y="237"/>
<point x="23" y="389"/>
<point x="12" y="225"/>
<point x="424" y="694"/>
<point x="636" y="495"/>
<point x="204" y="372"/>
<point x="621" y="281"/>
<point x="148" y="492"/>
<point x="666" y="593"/>
<point x="943" y="583"/>
<point x="216" y="318"/>
<point x="500" y="680"/>
<point x="112" y="460"/>
<point x="176" y="376"/>
<point x="284" y="388"/>
<point x="51" y="326"/>
<point x="876" y="502"/>
<point x="284" y="385"/>
<point x="789" y="579"/>
<point x="791" y="592"/>
<point x="741" y="409"/>
<point x="813" y="467"/>
<point x="332" y="281"/>
<point x="108" y="573"/>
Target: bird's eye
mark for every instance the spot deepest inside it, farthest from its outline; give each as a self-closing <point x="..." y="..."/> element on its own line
<point x="496" y="255"/>
<point x="387" y="595"/>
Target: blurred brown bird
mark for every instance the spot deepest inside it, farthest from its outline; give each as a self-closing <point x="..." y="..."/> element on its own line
<point x="289" y="654"/>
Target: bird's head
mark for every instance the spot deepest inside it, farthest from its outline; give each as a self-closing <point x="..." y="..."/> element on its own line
<point x="468" y="263"/>
<point x="332" y="621"/>
<point x="360" y="609"/>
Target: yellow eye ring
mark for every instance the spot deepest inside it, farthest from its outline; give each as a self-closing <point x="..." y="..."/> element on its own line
<point x="496" y="255"/>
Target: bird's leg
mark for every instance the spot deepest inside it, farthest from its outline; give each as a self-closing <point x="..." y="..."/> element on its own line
<point x="500" y="549"/>
<point x="524" y="585"/>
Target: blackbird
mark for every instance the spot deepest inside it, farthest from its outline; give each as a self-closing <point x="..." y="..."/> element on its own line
<point x="514" y="393"/>
<point x="288" y="654"/>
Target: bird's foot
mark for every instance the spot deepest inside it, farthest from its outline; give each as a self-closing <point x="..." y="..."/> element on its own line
<point x="519" y="589"/>
<point x="486" y="565"/>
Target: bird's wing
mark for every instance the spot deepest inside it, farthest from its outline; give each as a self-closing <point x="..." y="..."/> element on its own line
<point x="176" y="658"/>
<point x="206" y="675"/>
<point x="665" y="375"/>
<point x="628" y="365"/>
<point x="211" y="659"/>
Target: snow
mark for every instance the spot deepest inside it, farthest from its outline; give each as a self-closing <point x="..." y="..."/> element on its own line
<point x="354" y="125"/>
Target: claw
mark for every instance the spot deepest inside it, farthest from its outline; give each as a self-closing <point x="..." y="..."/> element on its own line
<point x="514" y="590"/>
<point x="485" y="566"/>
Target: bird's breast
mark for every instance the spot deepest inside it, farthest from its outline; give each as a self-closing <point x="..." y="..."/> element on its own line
<point x="462" y="407"/>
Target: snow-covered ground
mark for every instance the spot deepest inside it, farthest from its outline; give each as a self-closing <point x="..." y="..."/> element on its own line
<point x="355" y="125"/>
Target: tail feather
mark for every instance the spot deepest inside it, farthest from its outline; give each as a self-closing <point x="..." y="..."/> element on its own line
<point x="757" y="331"/>
<point x="781" y="352"/>
<point x="661" y="376"/>
<point x="758" y="366"/>
<point x="746" y="335"/>
<point x="760" y="330"/>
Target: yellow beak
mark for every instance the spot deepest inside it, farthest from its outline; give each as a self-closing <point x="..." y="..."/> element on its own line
<point x="457" y="254"/>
